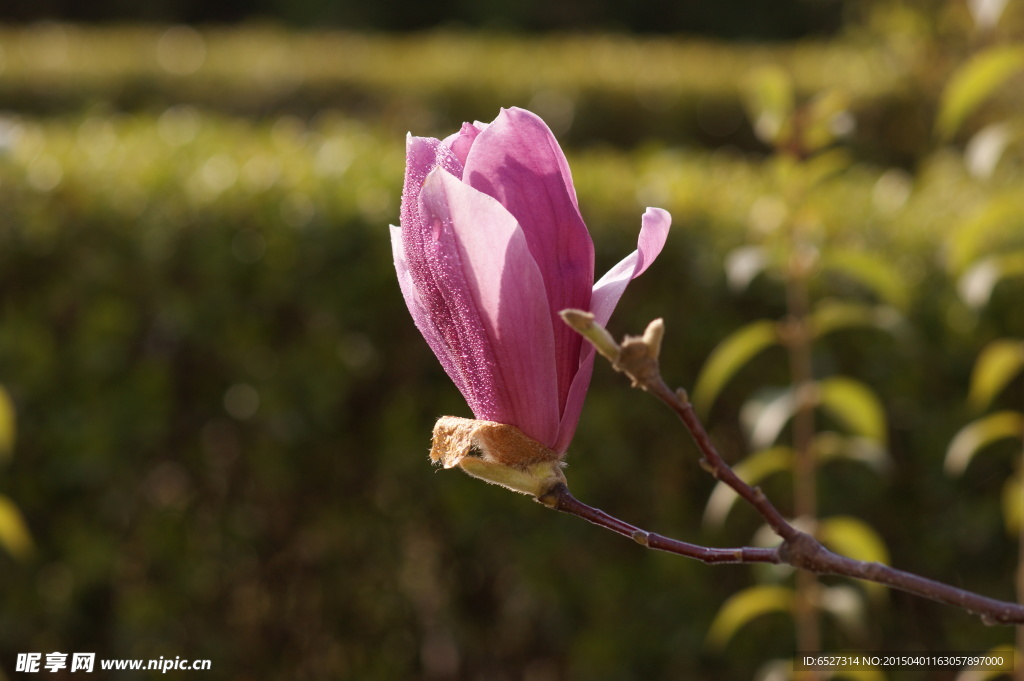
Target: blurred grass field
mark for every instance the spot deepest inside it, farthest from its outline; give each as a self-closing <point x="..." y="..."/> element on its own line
<point x="223" y="408"/>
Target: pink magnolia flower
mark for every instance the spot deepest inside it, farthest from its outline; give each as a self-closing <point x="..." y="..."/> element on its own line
<point x="490" y="249"/>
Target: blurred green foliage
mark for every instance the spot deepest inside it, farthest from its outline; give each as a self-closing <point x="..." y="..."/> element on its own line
<point x="613" y="89"/>
<point x="223" y="408"/>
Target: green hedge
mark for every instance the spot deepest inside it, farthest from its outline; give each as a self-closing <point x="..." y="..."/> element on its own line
<point x="614" y="89"/>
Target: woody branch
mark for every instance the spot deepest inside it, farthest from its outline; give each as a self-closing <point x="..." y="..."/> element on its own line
<point x="637" y="357"/>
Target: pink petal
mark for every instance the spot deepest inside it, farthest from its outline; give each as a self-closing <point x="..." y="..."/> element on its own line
<point x="425" y="299"/>
<point x="459" y="343"/>
<point x="607" y="292"/>
<point x="420" y="310"/>
<point x="574" y="403"/>
<point x="653" y="232"/>
<point x="461" y="142"/>
<point x="482" y="255"/>
<point x="423" y="154"/>
<point x="431" y="298"/>
<point x="517" y="161"/>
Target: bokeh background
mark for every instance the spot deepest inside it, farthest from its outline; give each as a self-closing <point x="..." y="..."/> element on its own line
<point x="221" y="408"/>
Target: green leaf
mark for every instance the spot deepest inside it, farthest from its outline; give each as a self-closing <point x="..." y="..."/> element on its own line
<point x="729" y="357"/>
<point x="825" y="165"/>
<point x="986" y="148"/>
<point x="980" y="433"/>
<point x="783" y="670"/>
<point x="831" y="446"/>
<point x="766" y="414"/>
<point x="825" y="118"/>
<point x="832" y="315"/>
<point x="846" y="605"/>
<point x="855" y="406"/>
<point x="742" y="265"/>
<point x="999" y="362"/>
<point x="973" y="82"/>
<point x="754" y="469"/>
<point x="751" y="470"/>
<point x="8" y="427"/>
<point x="986" y="13"/>
<point x="861" y="674"/>
<point x="975" y="286"/>
<point x="745" y="606"/>
<point x="869" y="270"/>
<point x="991" y="230"/>
<point x="14" y="534"/>
<point x="855" y="539"/>
<point x="768" y="95"/>
<point x="1007" y="652"/>
<point x="1013" y="503"/>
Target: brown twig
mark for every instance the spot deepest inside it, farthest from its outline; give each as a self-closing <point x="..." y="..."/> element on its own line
<point x="637" y="357"/>
<point x="560" y="499"/>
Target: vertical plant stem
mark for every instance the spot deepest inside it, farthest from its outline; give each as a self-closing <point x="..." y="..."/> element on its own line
<point x="805" y="502"/>
<point x="1018" y="673"/>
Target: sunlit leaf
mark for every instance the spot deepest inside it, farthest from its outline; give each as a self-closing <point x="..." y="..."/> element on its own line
<point x="1007" y="652"/>
<point x="986" y="13"/>
<point x="855" y="539"/>
<point x="766" y="538"/>
<point x="7" y="425"/>
<point x="846" y="605"/>
<point x="751" y="470"/>
<point x="729" y="357"/>
<point x="869" y="270"/>
<point x="892" y="191"/>
<point x="742" y="265"/>
<point x="827" y="446"/>
<point x="986" y="147"/>
<point x="745" y="606"/>
<point x="973" y="82"/>
<point x="775" y="670"/>
<point x="868" y="674"/>
<point x="999" y="362"/>
<point x="979" y="434"/>
<point x="1013" y="502"/>
<point x="825" y="165"/>
<point x="825" y="118"/>
<point x="991" y="230"/>
<point x="831" y="446"/>
<point x="14" y="534"/>
<point x="766" y="414"/>
<point x="831" y="315"/>
<point x="782" y="670"/>
<point x="768" y="96"/>
<point x="769" y="212"/>
<point x="975" y="286"/>
<point x="855" y="406"/>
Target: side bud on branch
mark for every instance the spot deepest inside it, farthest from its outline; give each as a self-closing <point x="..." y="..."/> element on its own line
<point x="637" y="357"/>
